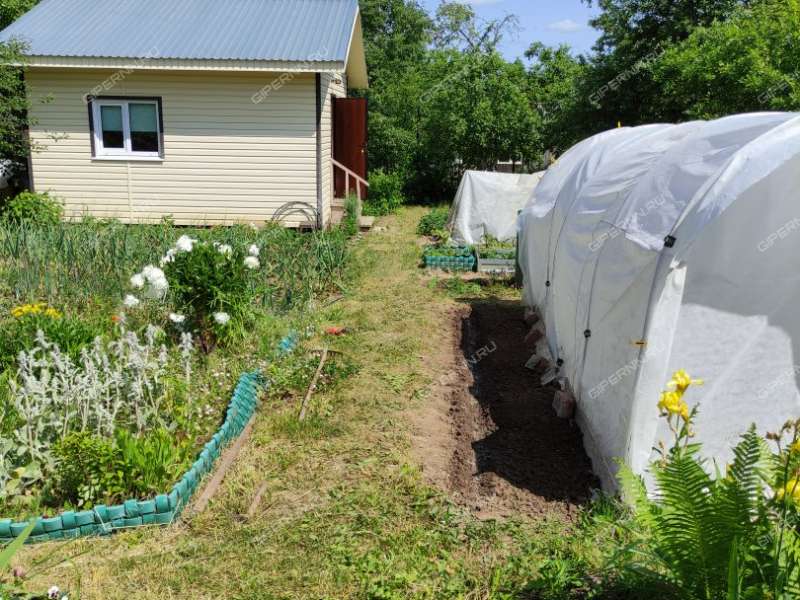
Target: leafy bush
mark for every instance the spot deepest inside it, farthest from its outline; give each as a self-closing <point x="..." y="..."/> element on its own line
<point x="385" y="193"/>
<point x="30" y="207"/>
<point x="433" y="221"/>
<point x="92" y="469"/>
<point x="19" y="332"/>
<point x="705" y="537"/>
<point x="87" y="471"/>
<point x="211" y="286"/>
<point x="391" y="146"/>
<point x="743" y="64"/>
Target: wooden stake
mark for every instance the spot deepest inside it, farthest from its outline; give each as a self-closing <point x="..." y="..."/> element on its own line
<point x="313" y="385"/>
<point x="256" y="500"/>
<point x="228" y="458"/>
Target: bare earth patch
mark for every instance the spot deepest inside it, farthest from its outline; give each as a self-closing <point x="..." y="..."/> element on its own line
<point x="487" y="434"/>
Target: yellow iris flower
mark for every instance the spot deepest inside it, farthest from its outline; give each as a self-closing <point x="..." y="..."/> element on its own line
<point x="681" y="381"/>
<point x="672" y="403"/>
<point x="795" y="448"/>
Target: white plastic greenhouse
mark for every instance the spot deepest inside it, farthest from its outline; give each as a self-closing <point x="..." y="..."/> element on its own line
<point x="487" y="203"/>
<point x="661" y="247"/>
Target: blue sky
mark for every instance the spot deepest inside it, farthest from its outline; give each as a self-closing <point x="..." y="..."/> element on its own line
<point x="549" y="21"/>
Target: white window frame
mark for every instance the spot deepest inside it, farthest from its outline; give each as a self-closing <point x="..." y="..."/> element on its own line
<point x="100" y="152"/>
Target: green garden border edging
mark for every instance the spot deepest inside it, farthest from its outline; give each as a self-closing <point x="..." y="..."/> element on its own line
<point x="164" y="508"/>
<point x="460" y="258"/>
<point x="450" y="263"/>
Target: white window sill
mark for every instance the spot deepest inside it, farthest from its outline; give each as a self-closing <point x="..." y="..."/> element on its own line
<point x="123" y="158"/>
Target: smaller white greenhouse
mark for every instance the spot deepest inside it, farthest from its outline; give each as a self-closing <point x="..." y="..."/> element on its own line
<point x="487" y="204"/>
<point x="655" y="248"/>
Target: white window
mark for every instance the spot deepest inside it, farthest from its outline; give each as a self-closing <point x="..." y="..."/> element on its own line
<point x="126" y="128"/>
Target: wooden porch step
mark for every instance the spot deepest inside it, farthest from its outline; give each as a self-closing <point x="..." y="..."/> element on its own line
<point x="366" y="223"/>
<point x="337" y="210"/>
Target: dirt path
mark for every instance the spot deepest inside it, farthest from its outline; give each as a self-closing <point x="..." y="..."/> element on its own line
<point x="499" y="448"/>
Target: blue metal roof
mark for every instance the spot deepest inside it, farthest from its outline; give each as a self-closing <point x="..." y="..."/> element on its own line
<point x="264" y="30"/>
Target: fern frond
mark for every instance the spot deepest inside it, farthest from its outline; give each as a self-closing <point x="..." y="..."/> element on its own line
<point x="743" y="488"/>
<point x="634" y="493"/>
<point x="685" y="530"/>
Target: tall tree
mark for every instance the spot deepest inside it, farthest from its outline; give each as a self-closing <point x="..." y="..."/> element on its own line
<point x="458" y="26"/>
<point x="556" y="90"/>
<point x="635" y="26"/>
<point x="634" y="35"/>
<point x="14" y="146"/>
<point x="748" y="63"/>
<point x="478" y="113"/>
<point x="397" y="34"/>
<point x="11" y="10"/>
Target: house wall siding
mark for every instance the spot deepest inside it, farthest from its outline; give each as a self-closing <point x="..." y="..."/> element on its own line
<point x="331" y="85"/>
<point x="227" y="158"/>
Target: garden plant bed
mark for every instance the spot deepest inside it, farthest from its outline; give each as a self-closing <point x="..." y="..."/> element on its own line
<point x="121" y="349"/>
<point x="164" y="508"/>
<point x="505" y="451"/>
<point x="496" y="257"/>
<point x="503" y="266"/>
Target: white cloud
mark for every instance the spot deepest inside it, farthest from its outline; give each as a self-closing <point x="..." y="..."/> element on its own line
<point x="478" y="2"/>
<point x="565" y="26"/>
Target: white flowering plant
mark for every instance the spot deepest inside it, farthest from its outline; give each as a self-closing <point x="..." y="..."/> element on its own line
<point x="210" y="285"/>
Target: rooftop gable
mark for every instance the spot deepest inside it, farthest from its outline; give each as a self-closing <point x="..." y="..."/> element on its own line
<point x="306" y="34"/>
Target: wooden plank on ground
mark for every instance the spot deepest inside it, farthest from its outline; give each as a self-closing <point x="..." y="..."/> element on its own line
<point x="228" y="458"/>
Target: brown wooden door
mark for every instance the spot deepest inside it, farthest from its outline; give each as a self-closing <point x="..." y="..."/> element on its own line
<point x="349" y="142"/>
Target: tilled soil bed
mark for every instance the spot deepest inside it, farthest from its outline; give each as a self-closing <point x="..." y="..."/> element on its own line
<point x="503" y="451"/>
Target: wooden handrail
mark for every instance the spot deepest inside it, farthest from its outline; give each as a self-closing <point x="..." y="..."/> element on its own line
<point x="350" y="173"/>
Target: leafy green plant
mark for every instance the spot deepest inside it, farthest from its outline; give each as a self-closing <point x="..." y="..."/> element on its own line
<point x="499" y="253"/>
<point x="448" y="250"/>
<point x="30" y="207"/>
<point x="212" y="287"/>
<point x="88" y="470"/>
<point x="70" y="333"/>
<point x="92" y="469"/>
<point x="494" y="248"/>
<point x="14" y="103"/>
<point x="433" y="221"/>
<point x="708" y="537"/>
<point x="151" y="462"/>
<point x="351" y="214"/>
<point x="385" y="193"/>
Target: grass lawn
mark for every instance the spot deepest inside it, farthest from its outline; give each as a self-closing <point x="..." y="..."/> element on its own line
<point x="346" y="512"/>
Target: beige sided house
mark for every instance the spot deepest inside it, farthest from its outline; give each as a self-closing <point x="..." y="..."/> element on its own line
<point x="207" y="111"/>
